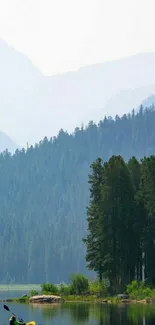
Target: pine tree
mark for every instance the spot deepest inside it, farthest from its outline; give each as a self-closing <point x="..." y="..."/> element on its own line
<point x="147" y="190"/>
<point x="118" y="219"/>
<point x="94" y="238"/>
<point x="139" y="225"/>
<point x="111" y="216"/>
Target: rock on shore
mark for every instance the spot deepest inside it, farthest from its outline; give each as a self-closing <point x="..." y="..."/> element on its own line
<point x="44" y="299"/>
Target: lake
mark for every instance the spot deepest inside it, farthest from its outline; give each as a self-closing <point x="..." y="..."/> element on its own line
<point x="82" y="314"/>
<point x="11" y="291"/>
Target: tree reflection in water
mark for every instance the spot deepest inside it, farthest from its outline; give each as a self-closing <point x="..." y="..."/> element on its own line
<point x="100" y="314"/>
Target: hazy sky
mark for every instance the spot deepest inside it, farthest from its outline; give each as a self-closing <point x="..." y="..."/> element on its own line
<point x="61" y="35"/>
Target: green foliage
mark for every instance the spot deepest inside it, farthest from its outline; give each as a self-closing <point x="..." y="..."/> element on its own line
<point x="95" y="237"/>
<point x="98" y="288"/>
<point x="139" y="290"/>
<point x="79" y="288"/>
<point x="79" y="284"/>
<point x="49" y="288"/>
<point x="95" y="287"/>
<point x="110" y="222"/>
<point x="33" y="293"/>
<point x="65" y="290"/>
<point x="121" y="222"/>
<point x="80" y="298"/>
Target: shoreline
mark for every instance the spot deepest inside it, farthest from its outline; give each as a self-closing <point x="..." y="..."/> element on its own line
<point x="82" y="299"/>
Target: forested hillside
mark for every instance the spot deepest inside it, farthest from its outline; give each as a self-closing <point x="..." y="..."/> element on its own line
<point x="44" y="193"/>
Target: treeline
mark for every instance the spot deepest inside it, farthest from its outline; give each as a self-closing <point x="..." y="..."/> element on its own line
<point x="121" y="221"/>
<point x="44" y="192"/>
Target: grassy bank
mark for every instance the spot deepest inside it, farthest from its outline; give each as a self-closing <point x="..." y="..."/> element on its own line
<point x="89" y="299"/>
<point x="108" y="300"/>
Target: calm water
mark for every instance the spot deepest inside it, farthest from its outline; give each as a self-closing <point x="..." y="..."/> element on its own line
<point x="12" y="294"/>
<point x="79" y="313"/>
<point x="83" y="314"/>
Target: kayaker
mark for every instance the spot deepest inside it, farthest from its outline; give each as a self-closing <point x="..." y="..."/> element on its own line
<point x="13" y="321"/>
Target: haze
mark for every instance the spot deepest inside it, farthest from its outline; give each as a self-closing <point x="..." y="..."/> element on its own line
<point x="60" y="35"/>
<point x="42" y="39"/>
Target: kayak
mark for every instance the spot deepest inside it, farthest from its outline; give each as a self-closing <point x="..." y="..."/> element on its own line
<point x="31" y="323"/>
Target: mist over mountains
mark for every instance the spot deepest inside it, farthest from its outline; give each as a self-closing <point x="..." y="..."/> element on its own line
<point x="34" y="106"/>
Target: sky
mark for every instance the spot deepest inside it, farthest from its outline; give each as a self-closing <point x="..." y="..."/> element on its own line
<point x="64" y="35"/>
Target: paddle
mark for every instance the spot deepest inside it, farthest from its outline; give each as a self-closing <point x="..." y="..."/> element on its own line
<point x="7" y="308"/>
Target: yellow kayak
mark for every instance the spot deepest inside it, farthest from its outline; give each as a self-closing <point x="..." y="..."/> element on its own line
<point x="31" y="323"/>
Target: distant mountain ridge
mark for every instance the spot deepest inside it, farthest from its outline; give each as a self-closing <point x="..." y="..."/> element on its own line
<point x="149" y="101"/>
<point x="33" y="105"/>
<point x="7" y="144"/>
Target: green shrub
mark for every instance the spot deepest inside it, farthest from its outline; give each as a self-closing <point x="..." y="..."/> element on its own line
<point x="65" y="290"/>
<point x="97" y="288"/>
<point x="33" y="293"/>
<point x="134" y="286"/>
<point x="79" y="284"/>
<point x="49" y="288"/>
<point x="139" y="290"/>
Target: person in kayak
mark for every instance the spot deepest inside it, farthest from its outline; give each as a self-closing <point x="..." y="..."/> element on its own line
<point x="13" y="321"/>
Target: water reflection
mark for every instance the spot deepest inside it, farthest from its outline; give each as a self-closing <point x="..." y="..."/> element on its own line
<point x="85" y="314"/>
<point x="48" y="311"/>
<point x="141" y="314"/>
<point x="79" y="313"/>
<point x="137" y="314"/>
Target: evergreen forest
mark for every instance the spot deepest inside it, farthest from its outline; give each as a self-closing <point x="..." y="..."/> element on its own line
<point x="121" y="221"/>
<point x="45" y="192"/>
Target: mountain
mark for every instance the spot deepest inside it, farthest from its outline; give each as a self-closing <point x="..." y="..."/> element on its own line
<point x="149" y="101"/>
<point x="7" y="144"/>
<point x="128" y="98"/>
<point x="76" y="97"/>
<point x="18" y="78"/>
<point x="34" y="105"/>
<point x="44" y="192"/>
